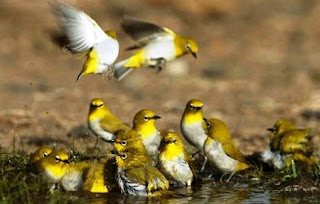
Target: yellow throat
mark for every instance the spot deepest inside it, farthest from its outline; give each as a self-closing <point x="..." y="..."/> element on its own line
<point x="91" y="64"/>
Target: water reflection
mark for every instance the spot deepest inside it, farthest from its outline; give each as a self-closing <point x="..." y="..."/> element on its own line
<point x="209" y="192"/>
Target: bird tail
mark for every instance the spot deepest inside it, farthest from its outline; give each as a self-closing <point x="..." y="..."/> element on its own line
<point x="261" y="160"/>
<point x="120" y="71"/>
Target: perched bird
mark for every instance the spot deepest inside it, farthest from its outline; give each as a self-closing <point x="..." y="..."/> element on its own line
<point x="287" y="143"/>
<point x="136" y="176"/>
<point x="144" y="125"/>
<point x="54" y="166"/>
<point x="40" y="154"/>
<point x="174" y="162"/>
<point x="192" y="125"/>
<point x="36" y="158"/>
<point x="85" y="36"/>
<point x="221" y="150"/>
<point x="101" y="176"/>
<point x="102" y="122"/>
<point x="156" y="45"/>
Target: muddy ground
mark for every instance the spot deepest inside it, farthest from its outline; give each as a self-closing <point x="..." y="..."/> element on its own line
<point x="258" y="61"/>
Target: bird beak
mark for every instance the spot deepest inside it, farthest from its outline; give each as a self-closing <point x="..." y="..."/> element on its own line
<point x="111" y="141"/>
<point x="205" y="120"/>
<point x="66" y="161"/>
<point x="270" y="129"/>
<point x="194" y="54"/>
<point x="78" y="77"/>
<point x="156" y="117"/>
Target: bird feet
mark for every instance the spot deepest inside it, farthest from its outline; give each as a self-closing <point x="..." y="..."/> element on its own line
<point x="231" y="175"/>
<point x="109" y="72"/>
<point x="160" y="64"/>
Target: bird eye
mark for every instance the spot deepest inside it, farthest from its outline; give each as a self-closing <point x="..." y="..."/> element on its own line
<point x="208" y="124"/>
<point x="145" y="118"/>
<point x="45" y="154"/>
<point x="58" y="159"/>
<point x="123" y="143"/>
<point x="188" y="47"/>
<point x="124" y="156"/>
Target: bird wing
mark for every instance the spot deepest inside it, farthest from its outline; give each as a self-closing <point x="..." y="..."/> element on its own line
<point x="156" y="179"/>
<point x="143" y="32"/>
<point x="190" y="163"/>
<point x="297" y="141"/>
<point x="133" y="180"/>
<point x="82" y="31"/>
<point x="232" y="151"/>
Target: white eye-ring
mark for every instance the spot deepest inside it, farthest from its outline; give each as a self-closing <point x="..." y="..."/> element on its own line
<point x="45" y="154"/>
<point x="58" y="159"/>
<point x="124" y="156"/>
<point x="145" y="118"/>
<point x="123" y="143"/>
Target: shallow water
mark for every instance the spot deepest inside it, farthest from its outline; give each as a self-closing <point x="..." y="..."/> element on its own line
<point x="208" y="192"/>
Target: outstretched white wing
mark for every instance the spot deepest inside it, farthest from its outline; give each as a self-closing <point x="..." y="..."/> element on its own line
<point x="82" y="31"/>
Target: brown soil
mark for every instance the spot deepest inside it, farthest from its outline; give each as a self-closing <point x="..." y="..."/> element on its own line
<point x="258" y="62"/>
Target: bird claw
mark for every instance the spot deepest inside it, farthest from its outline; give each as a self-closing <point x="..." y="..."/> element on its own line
<point x="108" y="74"/>
<point x="160" y="64"/>
<point x="204" y="164"/>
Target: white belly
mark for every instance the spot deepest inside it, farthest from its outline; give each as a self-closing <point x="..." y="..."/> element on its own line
<point x="72" y="181"/>
<point x="222" y="161"/>
<point x="194" y="134"/>
<point x="177" y="170"/>
<point x="152" y="144"/>
<point x="107" y="53"/>
<point x="51" y="177"/>
<point x="160" y="49"/>
<point x="97" y="130"/>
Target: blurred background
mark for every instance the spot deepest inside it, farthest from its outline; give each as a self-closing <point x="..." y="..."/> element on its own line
<point x="258" y="61"/>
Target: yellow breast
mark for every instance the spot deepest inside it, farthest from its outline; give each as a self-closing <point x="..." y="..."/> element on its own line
<point x="90" y="66"/>
<point x="191" y="118"/>
<point x="171" y="152"/>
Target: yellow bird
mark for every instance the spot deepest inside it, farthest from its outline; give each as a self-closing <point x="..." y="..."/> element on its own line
<point x="220" y="149"/>
<point x="174" y="162"/>
<point x="96" y="177"/>
<point x="86" y="36"/>
<point x="102" y="122"/>
<point x="144" y="125"/>
<point x="136" y="176"/>
<point x="57" y="169"/>
<point x="40" y="154"/>
<point x="156" y="45"/>
<point x="36" y="158"/>
<point x="54" y="166"/>
<point x="272" y="155"/>
<point x="193" y="127"/>
<point x="290" y="143"/>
